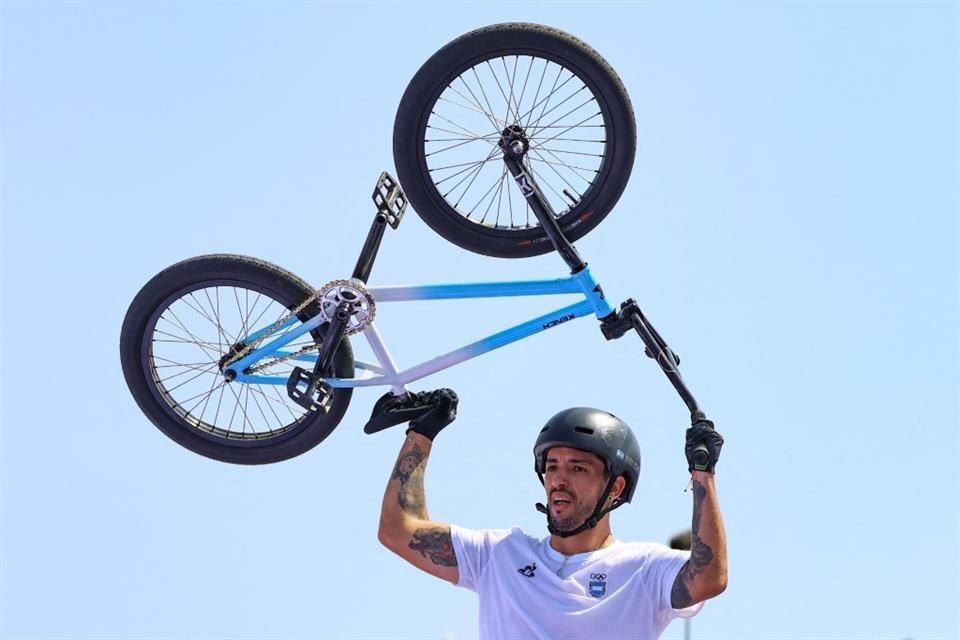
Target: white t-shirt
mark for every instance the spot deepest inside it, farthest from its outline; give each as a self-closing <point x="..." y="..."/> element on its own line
<point x="620" y="591"/>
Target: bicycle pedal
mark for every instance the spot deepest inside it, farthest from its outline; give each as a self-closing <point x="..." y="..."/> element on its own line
<point x="390" y="200"/>
<point x="309" y="390"/>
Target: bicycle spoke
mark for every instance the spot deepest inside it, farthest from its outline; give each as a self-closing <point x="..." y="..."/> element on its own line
<point x="484" y="196"/>
<point x="195" y="388"/>
<point x="482" y="90"/>
<point x="510" y="203"/>
<point x="262" y="414"/>
<point x="572" y="111"/>
<point x="196" y="341"/>
<point x="467" y="188"/>
<point x="490" y="158"/>
<point x="205" y="395"/>
<point x="455" y="146"/>
<point x="546" y="99"/>
<point x="462" y="180"/>
<point x="201" y="311"/>
<point x="213" y="385"/>
<point x="601" y="141"/>
<point x="537" y="95"/>
<point x="184" y="364"/>
<point x="542" y="180"/>
<point x="589" y="181"/>
<point x="500" y="87"/>
<point x="554" y="169"/>
<point x="267" y="400"/>
<point x="567" y="165"/>
<point x="548" y="103"/>
<point x="590" y="117"/>
<point x="498" y="193"/>
<point x="175" y="339"/>
<point x="221" y="331"/>
<point x="490" y="139"/>
<point x="466" y="106"/>
<point x="523" y="90"/>
<point x="203" y="366"/>
<point x="208" y="370"/>
<point x="511" y="78"/>
<point x="448" y="120"/>
<point x="216" y="417"/>
<point x="488" y="113"/>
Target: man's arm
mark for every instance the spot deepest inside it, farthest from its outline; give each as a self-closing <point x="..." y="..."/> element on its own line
<point x="705" y="573"/>
<point x="405" y="527"/>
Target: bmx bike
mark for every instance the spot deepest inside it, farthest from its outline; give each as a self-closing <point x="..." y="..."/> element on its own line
<point x="511" y="141"/>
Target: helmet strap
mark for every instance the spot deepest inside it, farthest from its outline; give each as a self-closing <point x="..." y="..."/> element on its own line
<point x="598" y="512"/>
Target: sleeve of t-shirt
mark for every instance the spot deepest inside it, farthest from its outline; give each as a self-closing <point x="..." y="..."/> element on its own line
<point x="668" y="565"/>
<point x="473" y="548"/>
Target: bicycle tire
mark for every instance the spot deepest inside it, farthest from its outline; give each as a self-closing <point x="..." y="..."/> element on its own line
<point x="436" y="79"/>
<point x="277" y="291"/>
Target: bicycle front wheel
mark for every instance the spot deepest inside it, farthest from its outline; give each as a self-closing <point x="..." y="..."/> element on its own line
<point x="177" y="334"/>
<point x="541" y="84"/>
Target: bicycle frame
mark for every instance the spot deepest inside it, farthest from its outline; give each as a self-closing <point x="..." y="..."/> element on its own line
<point x="391" y="203"/>
<point x="385" y="371"/>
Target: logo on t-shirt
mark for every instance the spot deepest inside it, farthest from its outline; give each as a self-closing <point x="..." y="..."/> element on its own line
<point x="528" y="570"/>
<point x="598" y="584"/>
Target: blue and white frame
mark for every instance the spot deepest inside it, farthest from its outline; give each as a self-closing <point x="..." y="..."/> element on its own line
<point x="386" y="373"/>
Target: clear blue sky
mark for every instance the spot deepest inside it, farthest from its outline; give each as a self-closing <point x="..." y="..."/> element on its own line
<point x="790" y="227"/>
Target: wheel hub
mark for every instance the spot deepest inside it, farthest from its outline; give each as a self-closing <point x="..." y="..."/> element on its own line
<point x="514" y="141"/>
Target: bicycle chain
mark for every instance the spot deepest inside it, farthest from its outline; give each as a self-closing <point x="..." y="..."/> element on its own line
<point x="317" y="295"/>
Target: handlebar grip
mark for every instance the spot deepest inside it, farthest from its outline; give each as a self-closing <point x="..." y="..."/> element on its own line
<point x="701" y="457"/>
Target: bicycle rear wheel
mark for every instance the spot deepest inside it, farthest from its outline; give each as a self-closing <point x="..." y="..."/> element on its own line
<point x="175" y="337"/>
<point x="569" y="104"/>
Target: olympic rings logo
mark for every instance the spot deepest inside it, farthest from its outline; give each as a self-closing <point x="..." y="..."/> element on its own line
<point x="598" y="576"/>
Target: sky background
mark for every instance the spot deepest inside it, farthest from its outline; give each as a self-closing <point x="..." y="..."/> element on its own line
<point x="790" y="227"/>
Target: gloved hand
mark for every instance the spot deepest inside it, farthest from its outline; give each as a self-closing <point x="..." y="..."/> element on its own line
<point x="443" y="413"/>
<point x="702" y="432"/>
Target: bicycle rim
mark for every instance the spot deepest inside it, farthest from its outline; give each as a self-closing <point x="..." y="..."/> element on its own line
<point x="185" y="342"/>
<point x="558" y="113"/>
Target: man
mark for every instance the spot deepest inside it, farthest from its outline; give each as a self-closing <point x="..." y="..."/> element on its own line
<point x="580" y="582"/>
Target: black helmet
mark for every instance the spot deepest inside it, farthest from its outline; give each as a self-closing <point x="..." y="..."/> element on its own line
<point x="598" y="432"/>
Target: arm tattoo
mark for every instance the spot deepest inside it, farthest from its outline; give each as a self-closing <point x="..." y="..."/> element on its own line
<point x="701" y="555"/>
<point x="409" y="471"/>
<point x="407" y="463"/>
<point x="435" y="543"/>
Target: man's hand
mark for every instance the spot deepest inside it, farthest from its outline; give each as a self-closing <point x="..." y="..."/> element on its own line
<point x="443" y="413"/>
<point x="703" y="433"/>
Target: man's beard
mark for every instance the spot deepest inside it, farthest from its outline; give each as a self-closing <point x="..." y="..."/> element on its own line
<point x="570" y="521"/>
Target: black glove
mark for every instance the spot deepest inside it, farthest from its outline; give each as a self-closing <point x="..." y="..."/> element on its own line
<point x="703" y="433"/>
<point x="443" y="413"/>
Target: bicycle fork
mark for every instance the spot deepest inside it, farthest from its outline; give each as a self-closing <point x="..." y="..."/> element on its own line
<point x="514" y="144"/>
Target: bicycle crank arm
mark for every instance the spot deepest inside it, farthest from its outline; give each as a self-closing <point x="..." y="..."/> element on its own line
<point x="391" y="204"/>
<point x="309" y="389"/>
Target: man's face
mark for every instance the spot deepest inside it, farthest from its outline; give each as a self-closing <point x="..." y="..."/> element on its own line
<point x="574" y="480"/>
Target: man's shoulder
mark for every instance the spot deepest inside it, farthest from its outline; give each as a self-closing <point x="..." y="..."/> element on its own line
<point x="517" y="536"/>
<point x="643" y="550"/>
<point x="514" y="537"/>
